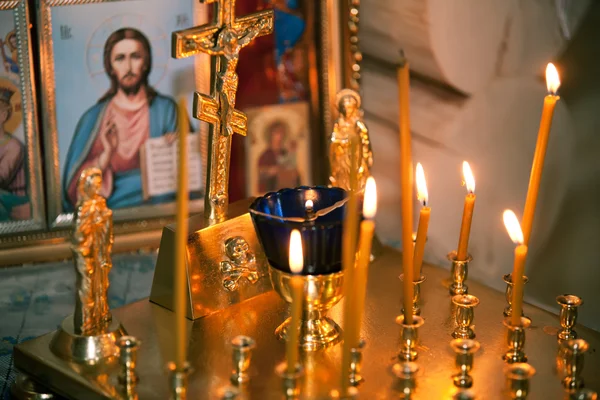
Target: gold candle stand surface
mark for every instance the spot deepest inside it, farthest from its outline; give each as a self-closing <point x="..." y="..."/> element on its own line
<point x="210" y="348"/>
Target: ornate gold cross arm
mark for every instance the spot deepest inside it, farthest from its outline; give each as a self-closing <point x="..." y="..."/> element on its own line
<point x="207" y="109"/>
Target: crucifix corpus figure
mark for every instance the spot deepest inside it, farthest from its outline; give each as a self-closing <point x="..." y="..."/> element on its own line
<point x="223" y="39"/>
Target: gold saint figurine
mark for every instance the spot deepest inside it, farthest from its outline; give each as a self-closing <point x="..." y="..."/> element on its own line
<point x="91" y="245"/>
<point x="349" y="124"/>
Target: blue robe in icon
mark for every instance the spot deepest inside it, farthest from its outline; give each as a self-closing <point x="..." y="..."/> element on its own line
<point x="127" y="186"/>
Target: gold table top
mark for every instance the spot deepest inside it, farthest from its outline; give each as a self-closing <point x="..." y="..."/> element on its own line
<point x="210" y="350"/>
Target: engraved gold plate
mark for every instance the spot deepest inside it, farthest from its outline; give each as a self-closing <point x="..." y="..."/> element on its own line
<point x="217" y="277"/>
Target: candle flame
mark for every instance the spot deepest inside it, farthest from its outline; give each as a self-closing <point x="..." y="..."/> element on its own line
<point x="370" y="202"/>
<point x="468" y="177"/>
<point x="309" y="204"/>
<point x="296" y="256"/>
<point x="422" y="193"/>
<point x="552" y="79"/>
<point x="513" y="227"/>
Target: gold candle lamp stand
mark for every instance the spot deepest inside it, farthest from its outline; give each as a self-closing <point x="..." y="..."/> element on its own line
<point x="465" y="350"/>
<point x="416" y="308"/>
<point x="321" y="293"/>
<point x="406" y="383"/>
<point x="356" y="363"/>
<point x="290" y="381"/>
<point x="459" y="273"/>
<point x="465" y="314"/>
<point x="518" y="376"/>
<point x="178" y="380"/>
<point x="509" y="293"/>
<point x="568" y="315"/>
<point x="242" y="355"/>
<point x="128" y="348"/>
<point x="515" y="339"/>
<point x="573" y="351"/>
<point x="409" y="338"/>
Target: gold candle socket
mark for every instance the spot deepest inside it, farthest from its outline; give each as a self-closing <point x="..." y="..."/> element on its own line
<point x="178" y="378"/>
<point x="291" y="390"/>
<point x="128" y="347"/>
<point x="573" y="352"/>
<point x="465" y="350"/>
<point x="518" y="376"/>
<point x="509" y="293"/>
<point x="228" y="393"/>
<point x="463" y="394"/>
<point x="458" y="274"/>
<point x="416" y="309"/>
<point x="515" y="339"/>
<point x="355" y="363"/>
<point x="568" y="315"/>
<point x="465" y="314"/>
<point x="241" y="356"/>
<point x="351" y="394"/>
<point x="405" y="372"/>
<point x="409" y="338"/>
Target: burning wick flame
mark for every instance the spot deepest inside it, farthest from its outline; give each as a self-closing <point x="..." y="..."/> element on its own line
<point x="296" y="256"/>
<point x="370" y="203"/>
<point x="309" y="205"/>
<point x="552" y="79"/>
<point x="422" y="194"/>
<point x="468" y="177"/>
<point x="513" y="227"/>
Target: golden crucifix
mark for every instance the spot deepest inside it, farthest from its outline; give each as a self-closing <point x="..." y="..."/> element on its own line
<point x="224" y="38"/>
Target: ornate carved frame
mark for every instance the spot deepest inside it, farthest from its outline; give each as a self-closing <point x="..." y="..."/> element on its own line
<point x="37" y="222"/>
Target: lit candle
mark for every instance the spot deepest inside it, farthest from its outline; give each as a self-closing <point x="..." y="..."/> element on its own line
<point x="309" y="207"/>
<point x="516" y="235"/>
<point x="465" y="228"/>
<point x="422" y="196"/>
<point x="296" y="288"/>
<point x="367" y="229"/>
<point x="181" y="236"/>
<point x="552" y="83"/>
<point x="406" y="186"/>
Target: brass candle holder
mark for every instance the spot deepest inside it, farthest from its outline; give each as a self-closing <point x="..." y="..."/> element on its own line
<point x="405" y="372"/>
<point x="409" y="334"/>
<point x="515" y="339"/>
<point x="573" y="352"/>
<point x="416" y="309"/>
<point x="355" y="363"/>
<point x="128" y="347"/>
<point x="509" y="292"/>
<point x="291" y="389"/>
<point x="518" y="376"/>
<point x="321" y="293"/>
<point x="568" y="315"/>
<point x="241" y="357"/>
<point x="178" y="380"/>
<point x="463" y="394"/>
<point x="465" y="314"/>
<point x="465" y="350"/>
<point x="228" y="393"/>
<point x="351" y="394"/>
<point x="459" y="274"/>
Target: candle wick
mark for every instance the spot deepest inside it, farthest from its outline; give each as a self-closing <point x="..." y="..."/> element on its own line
<point x="402" y="61"/>
<point x="424" y="203"/>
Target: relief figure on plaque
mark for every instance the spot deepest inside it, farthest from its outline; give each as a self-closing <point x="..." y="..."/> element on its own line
<point x="241" y="263"/>
<point x="348" y="125"/>
<point x="91" y="244"/>
<point x="14" y="201"/>
<point x="111" y="133"/>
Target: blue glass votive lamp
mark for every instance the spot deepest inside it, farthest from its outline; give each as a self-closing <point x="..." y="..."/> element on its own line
<point x="318" y="213"/>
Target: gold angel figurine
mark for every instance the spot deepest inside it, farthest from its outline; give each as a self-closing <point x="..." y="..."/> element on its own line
<point x="91" y="245"/>
<point x="349" y="124"/>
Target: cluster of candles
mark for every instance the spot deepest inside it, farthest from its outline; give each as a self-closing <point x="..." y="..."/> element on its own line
<point x="411" y="266"/>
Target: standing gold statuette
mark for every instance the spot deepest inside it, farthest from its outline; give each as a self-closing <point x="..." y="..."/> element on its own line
<point x="223" y="39"/>
<point x="89" y="336"/>
<point x="348" y="125"/>
<point x="91" y="245"/>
